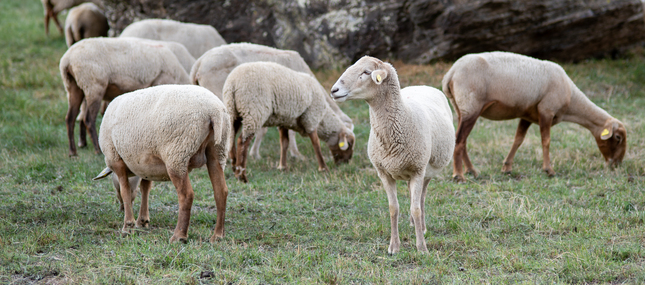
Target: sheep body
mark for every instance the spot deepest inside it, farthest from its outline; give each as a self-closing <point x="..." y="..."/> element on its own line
<point x="97" y="69"/>
<point x="53" y="7"/>
<point x="195" y="37"/>
<point x="212" y="69"/>
<point x="161" y="133"/>
<point x="503" y="86"/>
<point x="267" y="94"/>
<point x="85" y="21"/>
<point x="411" y="135"/>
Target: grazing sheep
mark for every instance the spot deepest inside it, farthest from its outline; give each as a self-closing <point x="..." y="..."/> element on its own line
<point x="161" y="133"/>
<point x="504" y="86"/>
<point x="53" y="7"/>
<point x="196" y="38"/>
<point x="97" y="69"/>
<point x="267" y="94"/>
<point x="85" y="21"/>
<point x="212" y="69"/>
<point x="411" y="135"/>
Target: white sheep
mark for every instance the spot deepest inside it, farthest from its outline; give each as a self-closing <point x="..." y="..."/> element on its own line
<point x="161" y="133"/>
<point x="53" y="7"/>
<point x="411" y="135"/>
<point x="267" y="94"/>
<point x="212" y="69"/>
<point x="97" y="69"/>
<point x="504" y="86"/>
<point x="195" y="37"/>
<point x="85" y="21"/>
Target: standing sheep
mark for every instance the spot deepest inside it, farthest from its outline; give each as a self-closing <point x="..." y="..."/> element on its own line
<point x="53" y="7"/>
<point x="196" y="38"/>
<point x="267" y="94"/>
<point x="161" y="133"/>
<point x="411" y="135"/>
<point x="504" y="86"/>
<point x="99" y="69"/>
<point x="85" y="21"/>
<point x="212" y="69"/>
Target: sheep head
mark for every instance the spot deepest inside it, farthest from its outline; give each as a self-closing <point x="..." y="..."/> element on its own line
<point x="343" y="149"/>
<point x="612" y="141"/>
<point x="361" y="80"/>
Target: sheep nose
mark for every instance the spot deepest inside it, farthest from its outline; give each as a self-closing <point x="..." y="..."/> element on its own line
<point x="334" y="90"/>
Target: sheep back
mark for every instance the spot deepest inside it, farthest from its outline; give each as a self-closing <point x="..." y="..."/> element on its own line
<point x="164" y="127"/>
<point x="85" y="21"/>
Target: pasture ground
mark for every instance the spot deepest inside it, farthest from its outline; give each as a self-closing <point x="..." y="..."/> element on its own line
<point x="586" y="225"/>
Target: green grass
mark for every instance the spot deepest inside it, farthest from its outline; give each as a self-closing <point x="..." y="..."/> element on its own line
<point x="586" y="225"/>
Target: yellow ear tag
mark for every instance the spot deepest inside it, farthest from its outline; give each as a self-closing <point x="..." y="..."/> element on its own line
<point x="341" y="144"/>
<point x="604" y="132"/>
<point x="378" y="78"/>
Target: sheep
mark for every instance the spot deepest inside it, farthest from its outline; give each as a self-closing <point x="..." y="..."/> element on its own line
<point x="85" y="21"/>
<point x="161" y="133"/>
<point x="504" y="86"/>
<point x="196" y="38"/>
<point x="53" y="7"/>
<point x="411" y="135"/>
<point x="212" y="68"/>
<point x="97" y="69"/>
<point x="266" y="94"/>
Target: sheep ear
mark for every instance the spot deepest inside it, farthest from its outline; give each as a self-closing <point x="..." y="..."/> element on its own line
<point x="342" y="143"/>
<point x="606" y="133"/>
<point x="378" y="76"/>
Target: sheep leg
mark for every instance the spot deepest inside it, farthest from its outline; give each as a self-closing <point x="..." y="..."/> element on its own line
<point x="220" y="191"/>
<point x="120" y="170"/>
<point x="255" y="148"/>
<point x="233" y="152"/>
<point x="522" y="128"/>
<point x="416" y="184"/>
<point x="545" y="133"/>
<point x="316" y="143"/>
<point x="143" y="221"/>
<point x="293" y="147"/>
<point x="55" y="17"/>
<point x="134" y="182"/>
<point x="82" y="136"/>
<point x="242" y="150"/>
<point x="185" y="196"/>
<point x="390" y="188"/>
<point x="423" y="203"/>
<point x="75" y="98"/>
<point x="460" y="154"/>
<point x="90" y="123"/>
<point x="284" y="145"/>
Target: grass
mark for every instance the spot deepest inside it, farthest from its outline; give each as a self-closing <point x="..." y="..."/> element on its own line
<point x="586" y="225"/>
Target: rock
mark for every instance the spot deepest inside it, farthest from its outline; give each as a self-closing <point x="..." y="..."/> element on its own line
<point x="337" y="33"/>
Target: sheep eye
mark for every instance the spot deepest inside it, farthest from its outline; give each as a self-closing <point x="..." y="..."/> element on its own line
<point x="366" y="72"/>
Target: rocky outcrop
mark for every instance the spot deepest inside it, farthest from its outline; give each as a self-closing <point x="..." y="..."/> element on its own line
<point x="338" y="32"/>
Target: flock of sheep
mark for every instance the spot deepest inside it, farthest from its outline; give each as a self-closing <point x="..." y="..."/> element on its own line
<point x="169" y="113"/>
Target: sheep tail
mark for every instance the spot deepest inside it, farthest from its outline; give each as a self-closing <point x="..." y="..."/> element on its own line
<point x="446" y="84"/>
<point x="107" y="171"/>
<point x="219" y="126"/>
<point x="228" y="96"/>
<point x="193" y="73"/>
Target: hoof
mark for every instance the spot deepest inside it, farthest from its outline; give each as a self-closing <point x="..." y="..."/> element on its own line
<point x="473" y="173"/>
<point x="143" y="224"/>
<point x="459" y="179"/>
<point x="280" y="167"/>
<point x="216" y="238"/>
<point x="174" y="239"/>
<point x="549" y="172"/>
<point x="82" y="145"/>
<point x="323" y="169"/>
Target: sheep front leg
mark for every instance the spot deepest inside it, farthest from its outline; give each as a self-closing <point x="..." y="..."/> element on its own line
<point x="293" y="147"/>
<point x="416" y="184"/>
<point x="220" y="192"/>
<point x="460" y="154"/>
<point x="242" y="151"/>
<point x="545" y="133"/>
<point x="284" y="145"/>
<point x="55" y="17"/>
<point x="390" y="189"/>
<point x="316" y="143"/>
<point x="143" y="221"/>
<point x="255" y="147"/>
<point x="522" y="128"/>
<point x="185" y="196"/>
<point x="423" y="203"/>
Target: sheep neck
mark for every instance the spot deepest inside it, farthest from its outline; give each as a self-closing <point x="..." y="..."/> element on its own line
<point x="385" y="108"/>
<point x="584" y="112"/>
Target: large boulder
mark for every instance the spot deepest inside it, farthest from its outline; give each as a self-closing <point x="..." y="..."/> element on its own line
<point x="336" y="33"/>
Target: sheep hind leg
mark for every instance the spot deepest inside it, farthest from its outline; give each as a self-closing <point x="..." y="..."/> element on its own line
<point x="293" y="147"/>
<point x="242" y="151"/>
<point x="423" y="203"/>
<point x="390" y="189"/>
<point x="75" y="99"/>
<point x="233" y="151"/>
<point x="55" y="17"/>
<point x="255" y="147"/>
<point x="460" y="154"/>
<point x="120" y="170"/>
<point x="545" y="133"/>
<point x="284" y="145"/>
<point x="143" y="221"/>
<point x="416" y="184"/>
<point x="185" y="196"/>
<point x="90" y="122"/>
<point x="220" y="191"/>
<point x="522" y="128"/>
<point x="316" y="143"/>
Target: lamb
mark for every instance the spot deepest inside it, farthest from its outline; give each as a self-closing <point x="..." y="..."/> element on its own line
<point x="85" y="21"/>
<point x="410" y="137"/>
<point x="196" y="38"/>
<point x="504" y="86"/>
<point x="212" y="69"/>
<point x="267" y="94"/>
<point x="53" y="7"/>
<point x="98" y="69"/>
<point x="161" y="133"/>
